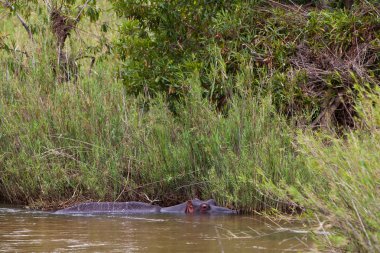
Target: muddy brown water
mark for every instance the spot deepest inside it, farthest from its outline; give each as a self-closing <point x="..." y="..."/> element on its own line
<point x="24" y="230"/>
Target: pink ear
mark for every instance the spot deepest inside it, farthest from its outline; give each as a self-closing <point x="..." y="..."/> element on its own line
<point x="189" y="207"/>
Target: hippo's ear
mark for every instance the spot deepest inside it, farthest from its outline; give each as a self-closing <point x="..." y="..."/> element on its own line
<point x="189" y="207"/>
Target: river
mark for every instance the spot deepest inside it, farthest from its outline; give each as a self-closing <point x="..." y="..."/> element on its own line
<point x="23" y="230"/>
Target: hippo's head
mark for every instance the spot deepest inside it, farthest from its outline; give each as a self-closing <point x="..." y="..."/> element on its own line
<point x="197" y="206"/>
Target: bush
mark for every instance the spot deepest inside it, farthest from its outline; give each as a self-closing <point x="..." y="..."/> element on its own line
<point x="307" y="59"/>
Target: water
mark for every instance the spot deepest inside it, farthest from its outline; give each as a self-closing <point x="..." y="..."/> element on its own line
<point x="32" y="231"/>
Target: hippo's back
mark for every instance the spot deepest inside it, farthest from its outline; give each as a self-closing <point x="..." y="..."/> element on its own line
<point x="110" y="208"/>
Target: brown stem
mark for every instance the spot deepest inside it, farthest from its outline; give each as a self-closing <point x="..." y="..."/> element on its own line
<point x="324" y="118"/>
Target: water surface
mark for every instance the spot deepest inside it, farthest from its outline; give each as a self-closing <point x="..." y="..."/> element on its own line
<point x="23" y="230"/>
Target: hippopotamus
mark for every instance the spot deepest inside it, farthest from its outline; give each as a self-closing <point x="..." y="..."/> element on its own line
<point x="194" y="206"/>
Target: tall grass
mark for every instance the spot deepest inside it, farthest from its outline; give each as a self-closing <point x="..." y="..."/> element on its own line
<point x="345" y="191"/>
<point x="88" y="139"/>
<point x="55" y="137"/>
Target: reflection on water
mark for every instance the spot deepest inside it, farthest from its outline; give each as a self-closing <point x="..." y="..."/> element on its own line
<point x="30" y="231"/>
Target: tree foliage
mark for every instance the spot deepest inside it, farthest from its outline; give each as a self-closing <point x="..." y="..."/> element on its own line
<point x="300" y="55"/>
<point x="164" y="40"/>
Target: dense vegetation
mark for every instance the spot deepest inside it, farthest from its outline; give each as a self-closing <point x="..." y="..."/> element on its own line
<point x="262" y="105"/>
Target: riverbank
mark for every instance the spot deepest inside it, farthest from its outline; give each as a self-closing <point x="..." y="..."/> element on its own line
<point x="95" y="137"/>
